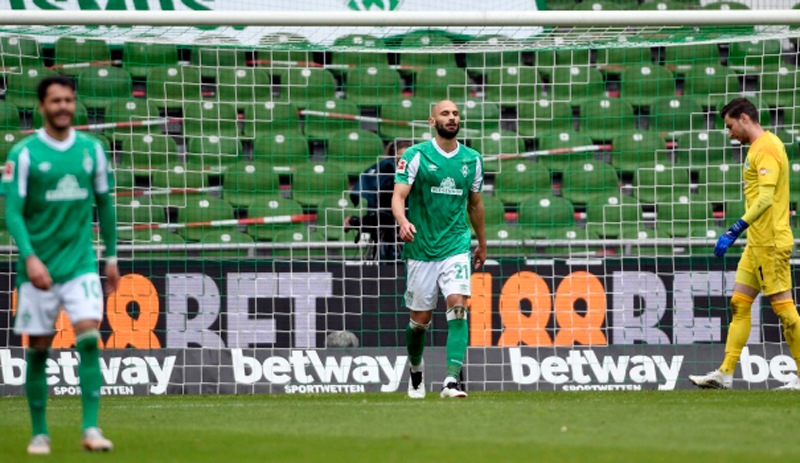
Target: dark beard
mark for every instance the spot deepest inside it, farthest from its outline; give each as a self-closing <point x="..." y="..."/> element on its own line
<point x="445" y="133"/>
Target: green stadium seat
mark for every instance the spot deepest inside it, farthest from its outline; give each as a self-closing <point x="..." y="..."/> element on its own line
<point x="615" y="60"/>
<point x="414" y="110"/>
<point x="244" y="87"/>
<point x="794" y="184"/>
<point x="434" y="84"/>
<point x="681" y="59"/>
<point x="169" y="86"/>
<point x="413" y="54"/>
<point x="676" y="114"/>
<point x="281" y="148"/>
<point x="721" y="183"/>
<point x="613" y="216"/>
<point x="210" y="58"/>
<point x="319" y="127"/>
<point x="519" y="180"/>
<point x="316" y="182"/>
<point x="569" y="249"/>
<point x="354" y="151"/>
<point x="79" y="50"/>
<point x="273" y="206"/>
<point x="146" y="152"/>
<point x="264" y="118"/>
<point x="21" y="87"/>
<point x="481" y="62"/>
<point x="214" y="238"/>
<point x="663" y="5"/>
<point x="790" y="139"/>
<point x="513" y="85"/>
<point x="662" y="183"/>
<point x="18" y="53"/>
<point x="81" y="116"/>
<point x="583" y="181"/>
<point x="507" y="241"/>
<point x="344" y="52"/>
<point x="372" y="85"/>
<point x="576" y="84"/>
<point x="99" y="86"/>
<point x="131" y="111"/>
<point x="180" y="178"/>
<point x="159" y="238"/>
<point x="633" y="150"/>
<point x="750" y="54"/>
<point x="276" y="49"/>
<point x="561" y="5"/>
<point x="203" y="208"/>
<point x="9" y="138"/>
<point x="494" y="210"/>
<point x="701" y="149"/>
<point x="726" y="6"/>
<point x="684" y="218"/>
<point x="561" y="161"/>
<point x="245" y="182"/>
<point x="9" y="116"/>
<point x="543" y="117"/>
<point x="132" y="211"/>
<point x="501" y="142"/>
<point x="711" y="84"/>
<point x="606" y="118"/>
<point x="547" y="61"/>
<point x="642" y="84"/>
<point x="331" y="215"/>
<point x="301" y="86"/>
<point x="540" y="215"/>
<point x="480" y="115"/>
<point x="139" y="56"/>
<point x="213" y="153"/>
<point x="779" y="86"/>
<point x="209" y="118"/>
<point x="299" y="253"/>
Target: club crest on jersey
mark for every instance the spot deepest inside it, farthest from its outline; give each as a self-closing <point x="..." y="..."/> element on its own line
<point x="447" y="187"/>
<point x="8" y="171"/>
<point x="464" y="170"/>
<point x="401" y="166"/>
<point x="67" y="189"/>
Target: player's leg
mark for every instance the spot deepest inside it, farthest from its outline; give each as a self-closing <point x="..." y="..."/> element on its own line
<point x="454" y="280"/>
<point x="778" y="288"/>
<point x="83" y="300"/>
<point x="421" y="293"/>
<point x="36" y="316"/>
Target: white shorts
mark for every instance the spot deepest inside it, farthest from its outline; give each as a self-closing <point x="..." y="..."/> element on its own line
<point x="37" y="310"/>
<point x="424" y="279"/>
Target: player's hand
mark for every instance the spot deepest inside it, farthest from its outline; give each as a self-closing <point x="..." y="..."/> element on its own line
<point x="407" y="231"/>
<point x="729" y="237"/>
<point x="112" y="277"/>
<point x="38" y="274"/>
<point x="479" y="257"/>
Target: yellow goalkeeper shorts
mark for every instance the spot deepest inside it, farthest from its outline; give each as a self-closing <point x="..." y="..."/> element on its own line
<point x="765" y="268"/>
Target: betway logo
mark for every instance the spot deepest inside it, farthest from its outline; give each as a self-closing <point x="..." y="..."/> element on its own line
<point x="583" y="367"/>
<point x="757" y="369"/>
<point x="306" y="366"/>
<point x="129" y="371"/>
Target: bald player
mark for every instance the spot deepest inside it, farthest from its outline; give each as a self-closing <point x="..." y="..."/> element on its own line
<point x="442" y="181"/>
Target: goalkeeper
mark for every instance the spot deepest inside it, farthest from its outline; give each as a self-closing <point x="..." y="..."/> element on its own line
<point x="764" y="265"/>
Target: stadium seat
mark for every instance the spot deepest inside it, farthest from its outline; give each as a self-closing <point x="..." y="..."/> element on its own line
<point x="9" y="116"/>
<point x="613" y="216"/>
<point x="479" y="63"/>
<point x="676" y="114"/>
<point x="203" y="208"/>
<point x="561" y="161"/>
<point x="315" y="182"/>
<point x="355" y="150"/>
<point x="434" y="84"/>
<point x="512" y="85"/>
<point x="281" y="148"/>
<point x="276" y="49"/>
<point x="662" y="5"/>
<point x="208" y="119"/>
<point x="9" y="138"/>
<point x="139" y="56"/>
<point x="21" y="87"/>
<point x="726" y="6"/>
<point x="176" y="178"/>
<point x="547" y="61"/>
<point x="711" y="84"/>
<point x="721" y="183"/>
<point x="703" y="148"/>
<point x="212" y="153"/>
<point x="501" y="142"/>
<point x="790" y="139"/>
<point x="146" y="152"/>
<point x="543" y="117"/>
<point x="264" y="118"/>
<point x="413" y="54"/>
<point x="684" y="218"/>
<point x="746" y="55"/>
<point x="158" y="237"/>
<point x="372" y="85"/>
<point x="569" y="250"/>
<point x="100" y="86"/>
<point x="662" y="183"/>
<point x="576" y="84"/>
<point x="583" y="181"/>
<point x="642" y="84"/>
<point x="507" y="241"/>
<point x="136" y="211"/>
<point x="298" y="236"/>
<point x="681" y="59"/>
<point x="169" y="86"/>
<point x="244" y="87"/>
<point x="633" y="150"/>
<point x="794" y="184"/>
<point x="614" y="60"/>
<point x="331" y="215"/>
<point x="518" y="180"/>
<point x="131" y="111"/>
<point x="480" y="115"/>
<point x="540" y="215"/>
<point x="301" y="86"/>
<point x="779" y="86"/>
<point x="599" y="5"/>
<point x="606" y="118"/>
<point x="245" y="182"/>
<point x="211" y="57"/>
<point x="18" y="53"/>
<point x="359" y="56"/>
<point x="405" y="110"/>
<point x="273" y="206"/>
<point x="214" y="238"/>
<point x="79" y="50"/>
<point x="319" y="127"/>
<point x="81" y="116"/>
<point x="494" y="210"/>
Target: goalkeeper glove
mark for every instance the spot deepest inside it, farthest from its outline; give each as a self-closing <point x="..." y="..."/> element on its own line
<point x="729" y="237"/>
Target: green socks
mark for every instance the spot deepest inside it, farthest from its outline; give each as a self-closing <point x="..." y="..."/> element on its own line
<point x="415" y="342"/>
<point x="457" y="340"/>
<point x="90" y="376"/>
<point x="36" y="389"/>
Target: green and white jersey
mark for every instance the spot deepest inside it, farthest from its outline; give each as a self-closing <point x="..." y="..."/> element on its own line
<point x="437" y="204"/>
<point x="51" y="187"/>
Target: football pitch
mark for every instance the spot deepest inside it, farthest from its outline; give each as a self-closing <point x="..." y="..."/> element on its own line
<point x="738" y="426"/>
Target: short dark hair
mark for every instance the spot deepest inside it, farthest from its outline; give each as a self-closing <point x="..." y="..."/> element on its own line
<point x="44" y="84"/>
<point x="396" y="145"/>
<point x="739" y="106"/>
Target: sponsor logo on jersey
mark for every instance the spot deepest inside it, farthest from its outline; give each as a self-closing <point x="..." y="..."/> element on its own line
<point x="401" y="166"/>
<point x="464" y="170"/>
<point x="447" y="187"/>
<point x="764" y="171"/>
<point x="432" y="167"/>
<point x="44" y="166"/>
<point x="68" y="189"/>
<point x="746" y="163"/>
<point x="8" y="171"/>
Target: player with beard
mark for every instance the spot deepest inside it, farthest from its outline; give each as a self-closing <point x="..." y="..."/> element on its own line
<point x="52" y="181"/>
<point x="442" y="181"/>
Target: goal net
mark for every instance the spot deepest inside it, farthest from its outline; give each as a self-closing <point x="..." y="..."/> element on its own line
<point x="253" y="166"/>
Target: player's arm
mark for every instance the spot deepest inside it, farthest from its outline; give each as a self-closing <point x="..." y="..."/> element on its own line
<point x="475" y="212"/>
<point x="103" y="184"/>
<point x="404" y="178"/>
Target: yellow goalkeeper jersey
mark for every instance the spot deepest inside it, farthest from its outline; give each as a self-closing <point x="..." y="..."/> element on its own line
<point x="767" y="164"/>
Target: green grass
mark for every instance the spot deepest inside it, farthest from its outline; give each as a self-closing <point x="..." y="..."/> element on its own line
<point x="497" y="427"/>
